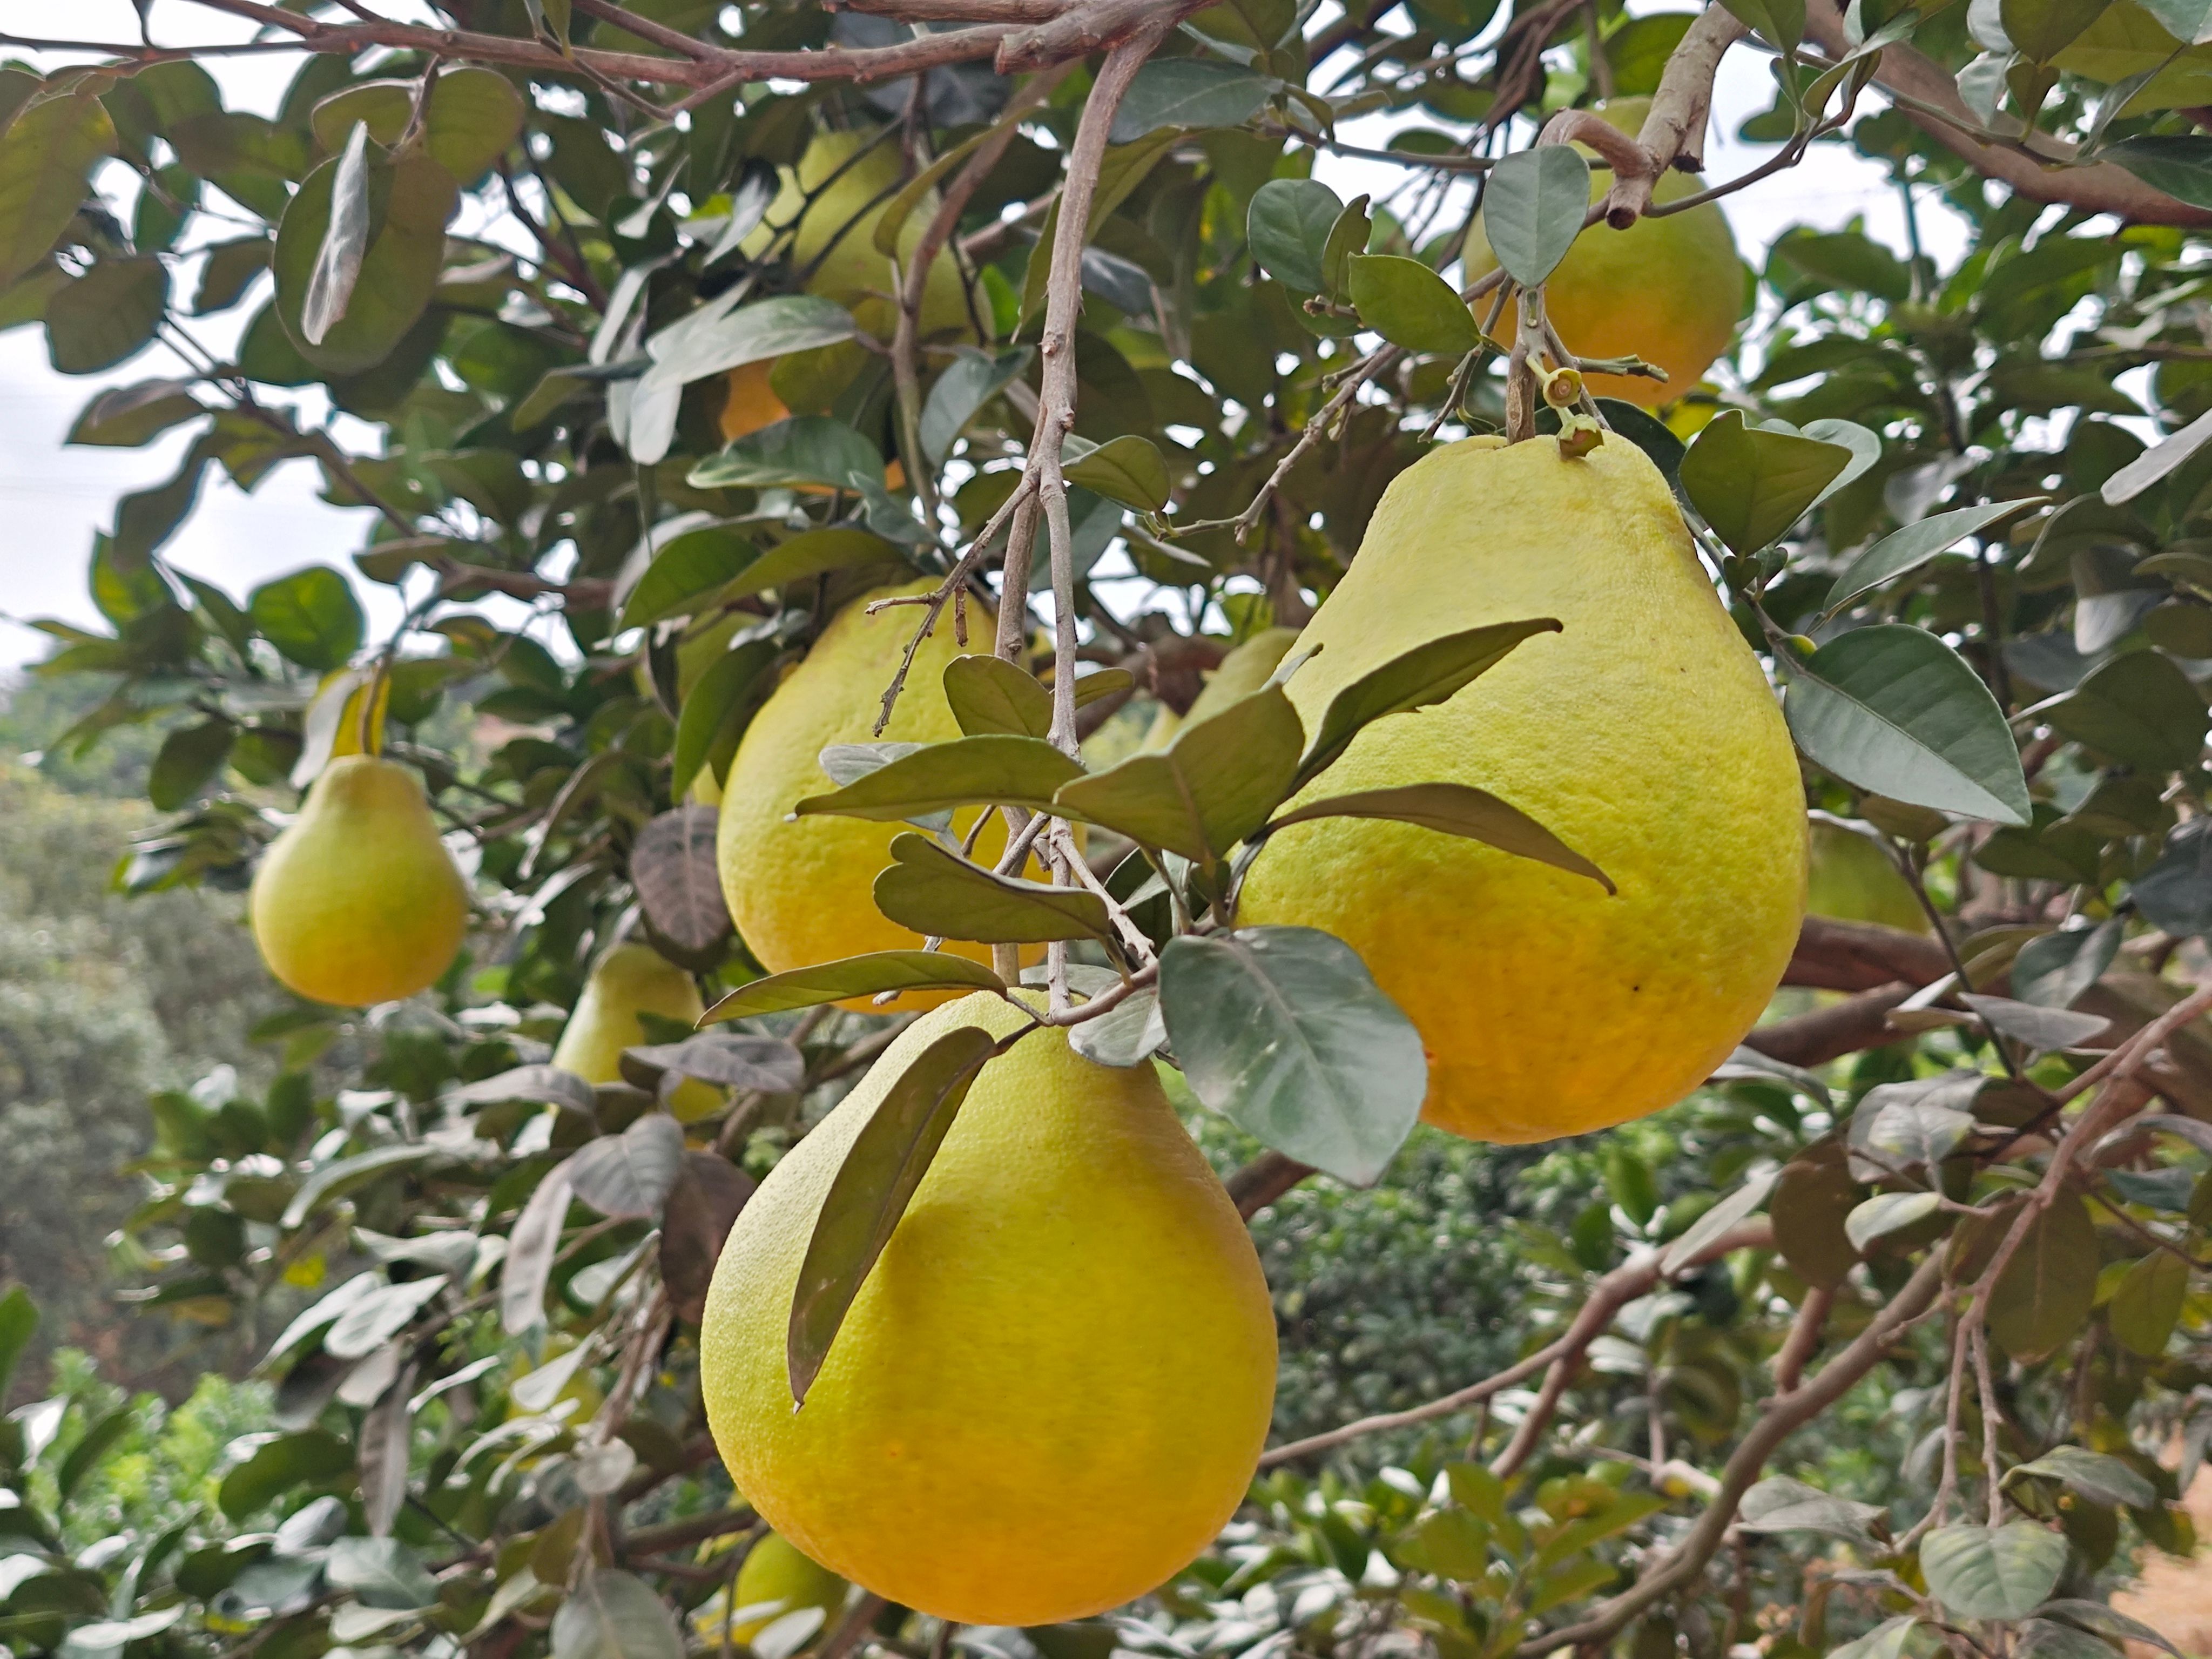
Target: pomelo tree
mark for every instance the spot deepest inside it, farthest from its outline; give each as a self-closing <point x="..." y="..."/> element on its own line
<point x="985" y="375"/>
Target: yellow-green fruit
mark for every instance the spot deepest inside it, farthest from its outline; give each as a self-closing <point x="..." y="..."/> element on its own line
<point x="627" y="981"/>
<point x="1667" y="290"/>
<point x="1051" y="1389"/>
<point x="778" y="1578"/>
<point x="358" y="902"/>
<point x="1643" y="735"/>
<point x="800" y="890"/>
<point x="1852" y="880"/>
<point x="846" y="266"/>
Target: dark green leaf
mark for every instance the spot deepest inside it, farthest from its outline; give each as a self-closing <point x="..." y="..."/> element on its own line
<point x="995" y="768"/>
<point x="2145" y="1307"/>
<point x="1751" y="485"/>
<point x="1648" y="433"/>
<point x="126" y="416"/>
<point x="1129" y="469"/>
<point x="2053" y="971"/>
<point x="2041" y="30"/>
<point x="2157" y="462"/>
<point x="2177" y="164"/>
<point x="2040" y="1030"/>
<point x="811" y="553"/>
<point x="1287" y="225"/>
<point x="1455" y="809"/>
<point x="96" y="1442"/>
<point x="1209" y="789"/>
<point x="972" y="380"/>
<point x="989" y="694"/>
<point x="2107" y="1622"/>
<point x="1534" y="206"/>
<point x="19" y="1322"/>
<point x="1428" y="673"/>
<point x="935" y="891"/>
<point x="855" y="976"/>
<point x="2175" y="894"/>
<point x="190" y="757"/>
<point x="107" y="314"/>
<point x="1893" y="709"/>
<point x="869" y="1194"/>
<point x="1410" y="306"/>
<point x="310" y="616"/>
<point x="1189" y="92"/>
<point x="2140" y="708"/>
<point x="1992" y="1572"/>
<point x="1779" y="22"/>
<point x="1347" y="238"/>
<point x="721" y="703"/>
<point x="1284" y="1032"/>
<point x="336" y="1179"/>
<point x="2045" y="1292"/>
<point x="46" y="157"/>
<point x="294" y="1460"/>
<point x="715" y="339"/>
<point x="1913" y="546"/>
<point x="687" y="568"/>
<point x="806" y="449"/>
<point x="2097" y="1477"/>
<point x="398" y="270"/>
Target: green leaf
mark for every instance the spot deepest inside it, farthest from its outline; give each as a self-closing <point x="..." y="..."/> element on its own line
<point x="107" y="314"/>
<point x="812" y="553"/>
<point x="2040" y="1030"/>
<point x="2107" y="1622"/>
<point x="1410" y="306"/>
<point x="687" y="568"/>
<point x="2053" y="971"/>
<point x="336" y="1179"/>
<point x="714" y="715"/>
<point x="972" y="380"/>
<point x="2047" y="1289"/>
<point x="872" y="1186"/>
<point x="1781" y="1505"/>
<point x="989" y="694"/>
<point x="380" y="1572"/>
<point x="996" y="768"/>
<point x="1885" y="1641"/>
<point x="806" y="449"/>
<point x="475" y="115"/>
<point x="1287" y="226"/>
<point x="1189" y="92"/>
<point x="1283" y="1032"/>
<point x="398" y="269"/>
<point x="2097" y="1477"/>
<point x="1888" y="1212"/>
<point x="1908" y="549"/>
<point x="626" y="1177"/>
<point x="614" y="1615"/>
<point x="46" y="157"/>
<point x="867" y="975"/>
<point x="1428" y="673"/>
<point x="125" y="417"/>
<point x="2139" y="708"/>
<point x="338" y="262"/>
<point x="1780" y="23"/>
<point x="1207" y="790"/>
<point x="716" y="338"/>
<point x="2155" y="463"/>
<point x="292" y="1459"/>
<point x="190" y="757"/>
<point x="1992" y="1572"/>
<point x="2177" y="164"/>
<point x="95" y="1444"/>
<point x="1347" y="239"/>
<point x="19" y="1322"/>
<point x="935" y="891"/>
<point x="1534" y="206"/>
<point x="1893" y="709"/>
<point x="1814" y="1197"/>
<point x="1455" y="809"/>
<point x="1751" y="485"/>
<point x="2041" y="30"/>
<point x="2175" y="894"/>
<point x="1129" y="469"/>
<point x="2144" y="1311"/>
<point x="311" y="616"/>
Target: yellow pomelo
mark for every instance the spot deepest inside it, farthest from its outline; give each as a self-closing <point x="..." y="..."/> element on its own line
<point x="1667" y="290"/>
<point x="1643" y="735"/>
<point x="358" y="902"/>
<point x="1052" y="1390"/>
<point x="1853" y="881"/>
<point x="800" y="891"/>
<point x="750" y="402"/>
<point x="837" y="234"/>
<point x="778" y="1578"/>
<point x="626" y="980"/>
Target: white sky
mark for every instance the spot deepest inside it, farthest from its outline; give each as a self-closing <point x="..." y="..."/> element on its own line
<point x="52" y="498"/>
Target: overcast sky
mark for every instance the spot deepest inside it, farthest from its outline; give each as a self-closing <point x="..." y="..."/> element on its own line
<point x="55" y="497"/>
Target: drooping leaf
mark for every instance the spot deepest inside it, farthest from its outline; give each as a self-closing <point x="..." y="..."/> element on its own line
<point x="1454" y="809"/>
<point x="530" y="1246"/>
<point x="1534" y="206"/>
<point x="1907" y="549"/>
<point x="398" y="270"/>
<point x="869" y="1195"/>
<point x="1893" y="709"/>
<point x="718" y="337"/>
<point x="935" y="891"/>
<point x="855" y="977"/>
<point x="727" y="1059"/>
<point x="1285" y="1032"/>
<point x="687" y="569"/>
<point x="1781" y="1505"/>
<point x="2146" y="1306"/>
<point x="2140" y="708"/>
<point x="1427" y="673"/>
<point x="337" y="267"/>
<point x="672" y="866"/>
<point x="279" y="1465"/>
<point x="2041" y="1031"/>
<point x="2097" y="1477"/>
<point x="714" y="716"/>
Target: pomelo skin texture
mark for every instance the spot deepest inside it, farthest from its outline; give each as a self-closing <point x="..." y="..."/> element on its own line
<point x="1643" y="735"/>
<point x="1667" y="290"/>
<point x="801" y="891"/>
<point x="627" y="979"/>
<point x="1052" y="1391"/>
<point x="358" y="902"/>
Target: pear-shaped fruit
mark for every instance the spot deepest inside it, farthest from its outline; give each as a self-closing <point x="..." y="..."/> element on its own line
<point x="1667" y="290"/>
<point x="1853" y="881"/>
<point x="358" y="902"/>
<point x="836" y="241"/>
<point x="1051" y="1389"/>
<point x="1643" y="735"/>
<point x="801" y="891"/>
<point x="778" y="1579"/>
<point x="627" y="981"/>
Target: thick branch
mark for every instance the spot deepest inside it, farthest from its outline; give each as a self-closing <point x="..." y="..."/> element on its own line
<point x="1824" y="1034"/>
<point x="2038" y="169"/>
<point x="1263" y="1181"/>
<point x="1859" y="956"/>
<point x="1674" y="132"/>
